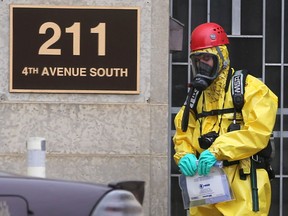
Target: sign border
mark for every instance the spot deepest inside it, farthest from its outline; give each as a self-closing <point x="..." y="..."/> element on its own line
<point x="12" y="90"/>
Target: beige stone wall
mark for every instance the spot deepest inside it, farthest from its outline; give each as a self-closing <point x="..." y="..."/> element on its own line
<point x="96" y="137"/>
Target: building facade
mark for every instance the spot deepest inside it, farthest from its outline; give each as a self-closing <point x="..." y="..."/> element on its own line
<point x="95" y="137"/>
<point x="111" y="137"/>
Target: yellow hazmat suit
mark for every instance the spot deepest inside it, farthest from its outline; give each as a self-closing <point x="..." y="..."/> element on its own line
<point x="258" y="114"/>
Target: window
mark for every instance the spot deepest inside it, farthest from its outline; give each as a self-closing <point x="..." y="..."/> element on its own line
<point x="256" y="31"/>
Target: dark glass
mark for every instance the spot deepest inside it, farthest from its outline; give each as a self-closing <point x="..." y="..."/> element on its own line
<point x="221" y="13"/>
<point x="285" y="198"/>
<point x="177" y="207"/>
<point x="174" y="167"/>
<point x="179" y="85"/>
<point x="274" y="209"/>
<point x="286" y="34"/>
<point x="273" y="31"/>
<point x="198" y="13"/>
<point x="172" y="121"/>
<point x="285" y="158"/>
<point x="13" y="205"/>
<point x="277" y="123"/>
<point x="276" y="160"/>
<point x="251" y="17"/>
<point x="285" y="126"/>
<point x="246" y="54"/>
<point x="180" y="12"/>
<point x="285" y="103"/>
<point x="273" y="81"/>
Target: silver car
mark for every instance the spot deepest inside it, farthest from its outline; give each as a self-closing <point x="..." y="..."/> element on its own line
<point x="25" y="196"/>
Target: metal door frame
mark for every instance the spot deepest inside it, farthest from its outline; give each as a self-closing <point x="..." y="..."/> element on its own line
<point x="236" y="32"/>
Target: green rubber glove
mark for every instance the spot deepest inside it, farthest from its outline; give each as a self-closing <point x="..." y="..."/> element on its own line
<point x="206" y="161"/>
<point x="187" y="165"/>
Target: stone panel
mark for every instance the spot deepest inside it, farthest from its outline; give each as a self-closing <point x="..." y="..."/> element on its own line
<point x="159" y="189"/>
<point x="159" y="129"/>
<point x="96" y="137"/>
<point x="75" y="128"/>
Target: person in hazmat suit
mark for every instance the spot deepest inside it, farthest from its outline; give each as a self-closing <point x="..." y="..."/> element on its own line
<point x="233" y="138"/>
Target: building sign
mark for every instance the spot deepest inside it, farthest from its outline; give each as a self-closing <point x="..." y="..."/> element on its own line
<point x="74" y="49"/>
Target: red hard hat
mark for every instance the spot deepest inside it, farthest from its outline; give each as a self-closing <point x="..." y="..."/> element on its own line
<point x="208" y="35"/>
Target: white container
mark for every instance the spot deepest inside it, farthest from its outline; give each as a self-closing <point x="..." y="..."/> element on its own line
<point x="36" y="156"/>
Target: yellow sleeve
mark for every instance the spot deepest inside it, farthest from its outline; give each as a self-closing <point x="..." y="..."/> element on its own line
<point x="259" y="115"/>
<point x="183" y="140"/>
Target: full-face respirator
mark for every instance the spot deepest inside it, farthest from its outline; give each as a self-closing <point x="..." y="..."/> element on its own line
<point x="203" y="73"/>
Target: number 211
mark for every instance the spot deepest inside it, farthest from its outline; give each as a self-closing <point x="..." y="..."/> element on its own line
<point x="46" y="49"/>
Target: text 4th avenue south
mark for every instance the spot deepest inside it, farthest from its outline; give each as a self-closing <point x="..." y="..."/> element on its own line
<point x="75" y="72"/>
